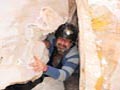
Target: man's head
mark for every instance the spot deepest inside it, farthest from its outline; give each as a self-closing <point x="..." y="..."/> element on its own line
<point x="66" y="35"/>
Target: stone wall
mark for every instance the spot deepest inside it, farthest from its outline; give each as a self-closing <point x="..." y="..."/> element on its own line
<point x="99" y="44"/>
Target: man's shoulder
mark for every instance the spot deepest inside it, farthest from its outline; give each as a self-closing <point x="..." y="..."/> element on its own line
<point x="73" y="51"/>
<point x="50" y="37"/>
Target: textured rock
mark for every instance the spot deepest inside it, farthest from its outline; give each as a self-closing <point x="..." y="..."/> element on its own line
<point x="22" y="24"/>
<point x="99" y="44"/>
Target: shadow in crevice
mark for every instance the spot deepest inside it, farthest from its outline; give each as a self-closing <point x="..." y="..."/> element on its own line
<point x="72" y="83"/>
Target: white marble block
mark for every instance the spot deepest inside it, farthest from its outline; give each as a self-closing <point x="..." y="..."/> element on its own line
<point x="99" y="25"/>
<point x="23" y="26"/>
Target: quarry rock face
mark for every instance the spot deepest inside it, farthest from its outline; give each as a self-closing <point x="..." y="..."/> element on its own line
<point x="99" y="23"/>
<point x="25" y="23"/>
<point x="23" y="26"/>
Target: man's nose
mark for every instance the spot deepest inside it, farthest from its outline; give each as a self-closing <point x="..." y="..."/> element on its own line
<point x="62" y="42"/>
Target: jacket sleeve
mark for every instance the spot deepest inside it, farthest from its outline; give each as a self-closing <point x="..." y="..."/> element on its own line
<point x="67" y="69"/>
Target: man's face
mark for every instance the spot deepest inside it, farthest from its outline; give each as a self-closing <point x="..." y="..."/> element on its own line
<point x="63" y="44"/>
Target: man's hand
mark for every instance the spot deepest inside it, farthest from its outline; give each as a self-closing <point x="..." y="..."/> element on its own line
<point x="38" y="65"/>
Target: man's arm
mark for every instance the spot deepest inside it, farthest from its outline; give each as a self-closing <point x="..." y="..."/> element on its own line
<point x="67" y="69"/>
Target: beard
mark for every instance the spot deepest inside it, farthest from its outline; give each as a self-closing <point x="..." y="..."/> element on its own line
<point x="61" y="48"/>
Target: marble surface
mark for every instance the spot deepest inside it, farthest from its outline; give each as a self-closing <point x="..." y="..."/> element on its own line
<point x="23" y="26"/>
<point x="99" y="22"/>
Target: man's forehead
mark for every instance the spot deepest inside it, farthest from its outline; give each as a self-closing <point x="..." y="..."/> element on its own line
<point x="65" y="39"/>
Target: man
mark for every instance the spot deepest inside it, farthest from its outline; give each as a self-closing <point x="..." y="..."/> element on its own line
<point x="64" y="56"/>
